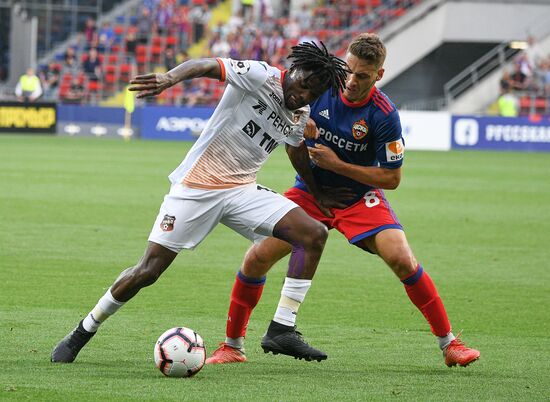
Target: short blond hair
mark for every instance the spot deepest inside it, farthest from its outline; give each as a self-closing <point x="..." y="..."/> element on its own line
<point x="368" y="47"/>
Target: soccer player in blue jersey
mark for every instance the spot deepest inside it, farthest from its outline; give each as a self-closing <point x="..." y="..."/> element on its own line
<point x="358" y="153"/>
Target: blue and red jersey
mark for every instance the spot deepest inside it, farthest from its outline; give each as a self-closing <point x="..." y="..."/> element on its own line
<point x="365" y="133"/>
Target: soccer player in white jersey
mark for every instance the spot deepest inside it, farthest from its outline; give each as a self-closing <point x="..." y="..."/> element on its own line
<point x="262" y="107"/>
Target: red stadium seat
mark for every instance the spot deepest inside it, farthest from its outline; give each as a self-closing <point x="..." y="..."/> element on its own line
<point x="541" y="104"/>
<point x="141" y="50"/>
<point x="94" y="86"/>
<point x="141" y="58"/>
<point x="171" y="41"/>
<point x="156" y="51"/>
<point x="112" y="59"/>
<point x="64" y="89"/>
<point x="125" y="71"/>
<point x="525" y="104"/>
<point x="156" y="41"/>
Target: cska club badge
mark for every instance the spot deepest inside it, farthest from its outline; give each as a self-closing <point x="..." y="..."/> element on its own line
<point x="167" y="224"/>
<point x="359" y="129"/>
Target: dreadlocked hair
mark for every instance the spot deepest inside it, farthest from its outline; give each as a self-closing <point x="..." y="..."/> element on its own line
<point x="326" y="67"/>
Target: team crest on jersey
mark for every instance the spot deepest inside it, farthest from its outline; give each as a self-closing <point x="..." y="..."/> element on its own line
<point x="240" y="66"/>
<point x="395" y="150"/>
<point x="359" y="129"/>
<point x="167" y="224"/>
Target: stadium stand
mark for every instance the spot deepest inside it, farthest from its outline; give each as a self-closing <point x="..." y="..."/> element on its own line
<point x="155" y="34"/>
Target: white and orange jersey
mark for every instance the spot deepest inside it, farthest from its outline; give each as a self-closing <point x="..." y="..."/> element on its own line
<point x="247" y="125"/>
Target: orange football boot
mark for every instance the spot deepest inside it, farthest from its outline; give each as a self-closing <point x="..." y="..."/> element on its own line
<point x="226" y="354"/>
<point x="458" y="353"/>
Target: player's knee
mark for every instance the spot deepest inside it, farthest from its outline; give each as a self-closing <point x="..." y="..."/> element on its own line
<point x="256" y="264"/>
<point x="317" y="237"/>
<point x="402" y="264"/>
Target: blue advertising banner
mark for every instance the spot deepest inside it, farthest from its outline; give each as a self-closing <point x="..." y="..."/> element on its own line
<point x="173" y="123"/>
<point x="501" y="133"/>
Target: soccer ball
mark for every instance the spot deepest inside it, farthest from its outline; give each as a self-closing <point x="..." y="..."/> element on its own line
<point x="180" y="352"/>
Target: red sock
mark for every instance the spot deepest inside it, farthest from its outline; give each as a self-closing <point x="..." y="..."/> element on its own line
<point x="244" y="297"/>
<point x="423" y="294"/>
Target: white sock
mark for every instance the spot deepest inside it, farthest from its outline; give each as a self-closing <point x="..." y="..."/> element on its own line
<point x="444" y="341"/>
<point x="105" y="307"/>
<point x="237" y="343"/>
<point x="292" y="295"/>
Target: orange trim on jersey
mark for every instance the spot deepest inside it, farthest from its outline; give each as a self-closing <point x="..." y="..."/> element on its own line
<point x="222" y="67"/>
<point x="203" y="186"/>
<point x="283" y="72"/>
<point x="360" y="103"/>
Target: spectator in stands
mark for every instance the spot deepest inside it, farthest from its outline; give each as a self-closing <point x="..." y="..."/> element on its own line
<point x="106" y="37"/>
<point x="545" y="74"/>
<point x="292" y="30"/>
<point x="76" y="93"/>
<point x="92" y="65"/>
<point x="247" y="7"/>
<point x="274" y="43"/>
<point x="28" y="88"/>
<point x="163" y="16"/>
<point x="533" y="54"/>
<point x="508" y="104"/>
<point x="235" y="21"/>
<point x="219" y="46"/>
<point x="90" y="31"/>
<point x="304" y="17"/>
<point x="50" y="79"/>
<point x="199" y="17"/>
<point x="257" y="49"/>
<point x="170" y="58"/>
<point x="70" y="59"/>
<point x="144" y="24"/>
<point x="180" y="22"/>
<point x="200" y="94"/>
<point x="505" y="82"/>
<point x="518" y="79"/>
<point x="236" y="46"/>
<point x="131" y="43"/>
<point x="182" y="56"/>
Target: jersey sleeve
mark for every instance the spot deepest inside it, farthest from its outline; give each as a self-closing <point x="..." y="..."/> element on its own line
<point x="248" y="75"/>
<point x="297" y="134"/>
<point x="390" y="147"/>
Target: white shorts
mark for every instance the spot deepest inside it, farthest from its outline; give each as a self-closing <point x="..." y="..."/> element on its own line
<point x="188" y="215"/>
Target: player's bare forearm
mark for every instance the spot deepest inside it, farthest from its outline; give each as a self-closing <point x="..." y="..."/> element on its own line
<point x="153" y="84"/>
<point x="374" y="176"/>
<point x="379" y="177"/>
<point x="300" y="160"/>
<point x="190" y="69"/>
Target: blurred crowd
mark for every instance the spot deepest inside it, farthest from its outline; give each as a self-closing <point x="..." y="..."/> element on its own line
<point x="159" y="34"/>
<point x="525" y="87"/>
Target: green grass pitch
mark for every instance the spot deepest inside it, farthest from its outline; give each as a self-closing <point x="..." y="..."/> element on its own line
<point x="74" y="212"/>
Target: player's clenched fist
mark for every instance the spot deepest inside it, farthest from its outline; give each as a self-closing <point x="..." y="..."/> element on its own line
<point x="150" y="84"/>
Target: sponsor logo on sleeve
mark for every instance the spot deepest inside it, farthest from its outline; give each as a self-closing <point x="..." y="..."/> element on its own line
<point x="359" y="129"/>
<point x="240" y="66"/>
<point x="395" y="150"/>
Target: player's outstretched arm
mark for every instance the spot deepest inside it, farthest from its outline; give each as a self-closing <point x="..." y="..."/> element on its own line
<point x="153" y="84"/>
